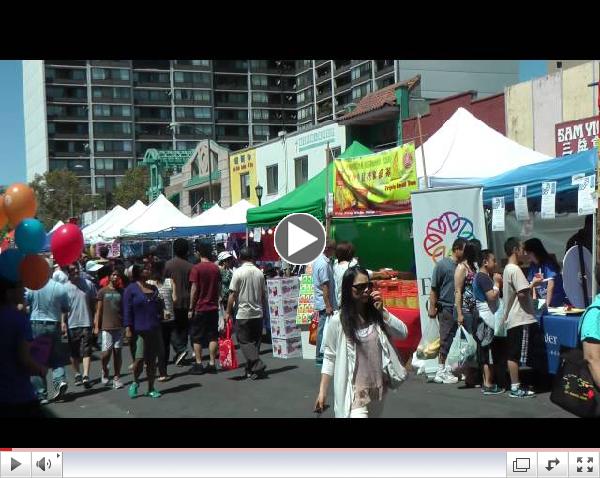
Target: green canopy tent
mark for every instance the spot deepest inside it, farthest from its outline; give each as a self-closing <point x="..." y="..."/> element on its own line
<point x="371" y="236"/>
<point x="308" y="198"/>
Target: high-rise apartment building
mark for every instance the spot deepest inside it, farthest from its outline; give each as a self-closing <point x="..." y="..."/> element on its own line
<point x="98" y="117"/>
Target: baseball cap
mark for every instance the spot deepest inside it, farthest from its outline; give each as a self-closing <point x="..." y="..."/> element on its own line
<point x="92" y="266"/>
<point x="224" y="256"/>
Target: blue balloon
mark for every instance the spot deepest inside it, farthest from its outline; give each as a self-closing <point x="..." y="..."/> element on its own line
<point x="30" y="236"/>
<point x="10" y="260"/>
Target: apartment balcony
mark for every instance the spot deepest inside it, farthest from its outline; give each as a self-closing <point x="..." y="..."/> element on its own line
<point x="111" y="82"/>
<point x="384" y="70"/>
<point x="153" y="137"/>
<point x="111" y="100"/>
<point x="231" y="121"/>
<point x="194" y="103"/>
<point x="231" y="86"/>
<point x="232" y="138"/>
<point x="324" y="93"/>
<point x="152" y="102"/>
<point x="114" y="63"/>
<point x="69" y="136"/>
<point x="64" y="62"/>
<point x="127" y="136"/>
<point x="320" y="62"/>
<point x="65" y="81"/>
<point x="62" y="99"/>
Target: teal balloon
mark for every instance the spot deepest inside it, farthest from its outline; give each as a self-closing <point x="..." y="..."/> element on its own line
<point x="30" y="236"/>
<point x="10" y="261"/>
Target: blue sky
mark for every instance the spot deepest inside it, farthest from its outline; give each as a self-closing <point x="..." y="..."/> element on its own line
<point x="12" y="137"/>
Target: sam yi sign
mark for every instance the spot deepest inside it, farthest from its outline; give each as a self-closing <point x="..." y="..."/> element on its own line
<point x="576" y="136"/>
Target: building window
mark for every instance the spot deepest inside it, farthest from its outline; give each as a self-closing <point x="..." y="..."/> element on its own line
<point x="259" y="80"/>
<point x="110" y="74"/>
<point x="192" y="113"/>
<point x="112" y="110"/>
<point x="260" y="114"/>
<point x="192" y="95"/>
<point x="272" y="179"/>
<point x="195" y="78"/>
<point x="360" y="91"/>
<point x="261" y="130"/>
<point x="260" y="98"/>
<point x="113" y="146"/>
<point x="301" y="169"/>
<point x="112" y="128"/>
<point x="245" y="185"/>
<point x="151" y="77"/>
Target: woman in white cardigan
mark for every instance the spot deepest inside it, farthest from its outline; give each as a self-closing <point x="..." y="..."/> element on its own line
<point x="358" y="353"/>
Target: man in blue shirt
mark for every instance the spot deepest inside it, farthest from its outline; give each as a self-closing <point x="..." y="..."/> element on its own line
<point x="324" y="290"/>
<point x="46" y="306"/>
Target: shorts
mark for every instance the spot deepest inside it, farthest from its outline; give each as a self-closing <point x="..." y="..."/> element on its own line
<point x="448" y="328"/>
<point x="518" y="339"/>
<point x="112" y="339"/>
<point x="204" y="327"/>
<point x="80" y="342"/>
<point x="148" y="345"/>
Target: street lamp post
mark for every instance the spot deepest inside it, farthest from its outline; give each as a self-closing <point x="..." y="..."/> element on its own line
<point x="259" y="193"/>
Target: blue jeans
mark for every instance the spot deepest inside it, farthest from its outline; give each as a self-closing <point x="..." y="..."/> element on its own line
<point x="57" y="358"/>
<point x="322" y="320"/>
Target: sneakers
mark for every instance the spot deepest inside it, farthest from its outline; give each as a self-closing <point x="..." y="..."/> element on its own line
<point x="493" y="390"/>
<point x="86" y="382"/>
<point x="61" y="390"/>
<point x="521" y="393"/>
<point x="180" y="358"/>
<point x="154" y="394"/>
<point x="105" y="380"/>
<point x="197" y="369"/>
<point x="445" y="376"/>
<point x="78" y="380"/>
<point x="212" y="369"/>
<point x="133" y="390"/>
<point x="117" y="384"/>
<point x="44" y="401"/>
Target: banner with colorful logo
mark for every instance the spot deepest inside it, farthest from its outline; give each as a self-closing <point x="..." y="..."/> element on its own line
<point x="439" y="218"/>
<point x="375" y="184"/>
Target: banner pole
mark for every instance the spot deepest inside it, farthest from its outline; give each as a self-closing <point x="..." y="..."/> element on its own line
<point x="422" y="152"/>
<point x="327" y="215"/>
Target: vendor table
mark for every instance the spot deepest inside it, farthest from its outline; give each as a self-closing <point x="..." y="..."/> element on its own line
<point x="412" y="320"/>
<point x="558" y="330"/>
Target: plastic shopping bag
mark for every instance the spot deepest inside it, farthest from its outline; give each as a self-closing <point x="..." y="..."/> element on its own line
<point x="227" y="355"/>
<point x="429" y="347"/>
<point x="221" y="320"/>
<point x="500" y="324"/>
<point x="463" y="351"/>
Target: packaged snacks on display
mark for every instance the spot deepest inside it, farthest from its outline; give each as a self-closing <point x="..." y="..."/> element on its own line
<point x="287" y="348"/>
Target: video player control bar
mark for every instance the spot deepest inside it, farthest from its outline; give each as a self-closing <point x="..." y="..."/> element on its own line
<point x="297" y="463"/>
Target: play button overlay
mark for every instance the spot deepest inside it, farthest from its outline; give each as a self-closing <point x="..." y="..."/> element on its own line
<point x="14" y="464"/>
<point x="299" y="239"/>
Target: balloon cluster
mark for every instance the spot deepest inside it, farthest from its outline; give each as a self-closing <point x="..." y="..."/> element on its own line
<point x="18" y="206"/>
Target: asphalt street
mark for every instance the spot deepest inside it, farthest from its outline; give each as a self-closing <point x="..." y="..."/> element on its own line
<point x="288" y="392"/>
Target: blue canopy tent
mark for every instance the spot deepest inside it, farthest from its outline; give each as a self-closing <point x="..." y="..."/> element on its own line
<point x="560" y="170"/>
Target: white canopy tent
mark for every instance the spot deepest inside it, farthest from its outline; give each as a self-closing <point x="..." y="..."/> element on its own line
<point x="158" y="216"/>
<point x="236" y="214"/>
<point x="209" y="216"/>
<point x="90" y="233"/>
<point x="465" y="149"/>
<point x="113" y="230"/>
<point x="56" y="226"/>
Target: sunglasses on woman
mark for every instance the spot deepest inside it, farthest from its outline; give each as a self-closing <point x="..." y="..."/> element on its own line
<point x="360" y="288"/>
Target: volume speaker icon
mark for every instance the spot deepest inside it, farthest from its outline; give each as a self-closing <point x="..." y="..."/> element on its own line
<point x="43" y="464"/>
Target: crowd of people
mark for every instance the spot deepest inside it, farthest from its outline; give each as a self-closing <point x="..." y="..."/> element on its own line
<point x="468" y="290"/>
<point x="153" y="306"/>
<point x="149" y="305"/>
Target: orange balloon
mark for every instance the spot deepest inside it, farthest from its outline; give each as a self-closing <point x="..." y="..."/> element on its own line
<point x="35" y="272"/>
<point x="3" y="217"/>
<point x="19" y="203"/>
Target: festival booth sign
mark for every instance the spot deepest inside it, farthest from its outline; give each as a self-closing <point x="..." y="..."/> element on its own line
<point x="440" y="216"/>
<point x="371" y="208"/>
<point x="375" y="185"/>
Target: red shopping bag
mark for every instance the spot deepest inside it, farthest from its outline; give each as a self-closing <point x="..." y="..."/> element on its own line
<point x="227" y="355"/>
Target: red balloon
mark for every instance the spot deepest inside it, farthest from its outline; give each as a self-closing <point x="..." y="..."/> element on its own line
<point x="35" y="272"/>
<point x="66" y="244"/>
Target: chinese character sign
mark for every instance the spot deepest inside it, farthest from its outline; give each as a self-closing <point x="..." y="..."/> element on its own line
<point x="576" y="136"/>
<point x="375" y="184"/>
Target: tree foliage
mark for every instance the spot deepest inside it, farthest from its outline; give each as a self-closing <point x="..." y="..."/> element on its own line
<point x="134" y="187"/>
<point x="60" y="195"/>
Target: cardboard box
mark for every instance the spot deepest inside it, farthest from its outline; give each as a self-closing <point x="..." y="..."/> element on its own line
<point x="309" y="352"/>
<point x="283" y="307"/>
<point x="284" y="328"/>
<point x="290" y="348"/>
<point x="283" y="287"/>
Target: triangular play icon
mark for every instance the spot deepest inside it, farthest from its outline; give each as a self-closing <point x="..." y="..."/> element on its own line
<point x="298" y="239"/>
<point x="14" y="464"/>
